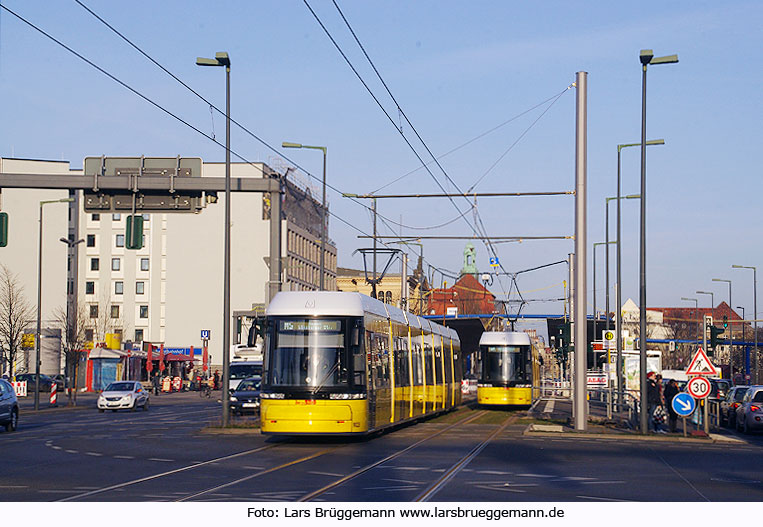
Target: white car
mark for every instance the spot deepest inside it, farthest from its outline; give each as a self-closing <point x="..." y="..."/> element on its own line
<point x="128" y="395"/>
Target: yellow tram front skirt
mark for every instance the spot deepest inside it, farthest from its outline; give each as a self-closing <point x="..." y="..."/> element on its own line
<point x="297" y="416"/>
<point x="504" y="395"/>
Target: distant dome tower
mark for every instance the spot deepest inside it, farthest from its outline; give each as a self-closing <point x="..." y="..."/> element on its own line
<point x="470" y="261"/>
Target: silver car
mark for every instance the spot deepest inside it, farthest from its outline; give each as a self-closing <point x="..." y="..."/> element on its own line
<point x="128" y="395"/>
<point x="9" y="406"/>
<point x="750" y="412"/>
<point x="730" y="404"/>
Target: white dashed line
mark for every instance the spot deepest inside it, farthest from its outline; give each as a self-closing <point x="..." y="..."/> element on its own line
<point x="96" y="454"/>
<point x="124" y="457"/>
<point x="160" y="459"/>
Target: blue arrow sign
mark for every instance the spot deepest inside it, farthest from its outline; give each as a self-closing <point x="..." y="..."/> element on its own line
<point x="683" y="404"/>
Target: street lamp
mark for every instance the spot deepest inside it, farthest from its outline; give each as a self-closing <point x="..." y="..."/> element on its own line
<point x="222" y="59"/>
<point x="618" y="293"/>
<point x="696" y="315"/>
<point x="616" y="242"/>
<point x="39" y="304"/>
<point x="323" y="207"/>
<point x="731" y="326"/>
<point x="646" y="57"/>
<point x="746" y="361"/>
<point x="754" y="311"/>
<point x="70" y="244"/>
<point x="595" y="245"/>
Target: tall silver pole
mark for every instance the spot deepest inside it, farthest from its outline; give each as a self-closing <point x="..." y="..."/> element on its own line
<point x="593" y="250"/>
<point x="373" y="286"/>
<point x="755" y="318"/>
<point x="275" y="242"/>
<point x="226" y="270"/>
<point x="618" y="297"/>
<point x="323" y="224"/>
<point x="581" y="333"/>
<point x="644" y="418"/>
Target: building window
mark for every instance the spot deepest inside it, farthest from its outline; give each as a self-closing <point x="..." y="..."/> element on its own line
<point x="91" y="240"/>
<point x="119" y="288"/>
<point x="114" y="311"/>
<point x="116" y="217"/>
<point x="89" y="288"/>
<point x="146" y="217"/>
<point x="94" y="311"/>
<point x="140" y="288"/>
<point x="95" y="264"/>
<point x="89" y="335"/>
<point x="143" y="311"/>
<point x="144" y="264"/>
<point x="120" y="240"/>
<point x="138" y="335"/>
<point x="116" y="264"/>
<point x="96" y="217"/>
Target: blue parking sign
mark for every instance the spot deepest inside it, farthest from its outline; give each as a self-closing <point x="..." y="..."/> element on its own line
<point x="683" y="404"/>
<point x="204" y="334"/>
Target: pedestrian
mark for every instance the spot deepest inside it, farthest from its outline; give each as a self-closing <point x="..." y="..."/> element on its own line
<point x="156" y="381"/>
<point x="653" y="401"/>
<point x="671" y="390"/>
<point x="217" y="380"/>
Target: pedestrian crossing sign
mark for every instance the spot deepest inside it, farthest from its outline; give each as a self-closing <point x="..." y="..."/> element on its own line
<point x="700" y="364"/>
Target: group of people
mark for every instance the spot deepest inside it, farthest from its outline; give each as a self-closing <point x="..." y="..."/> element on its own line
<point x="659" y="399"/>
<point x="213" y="382"/>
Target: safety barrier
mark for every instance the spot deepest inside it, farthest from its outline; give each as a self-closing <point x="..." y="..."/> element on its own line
<point x="53" y="394"/>
<point x="20" y="388"/>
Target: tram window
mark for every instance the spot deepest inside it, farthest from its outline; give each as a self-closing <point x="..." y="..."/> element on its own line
<point x="428" y="373"/>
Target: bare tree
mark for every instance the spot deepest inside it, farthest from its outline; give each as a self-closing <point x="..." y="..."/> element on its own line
<point x="73" y="324"/>
<point x="104" y="319"/>
<point x="16" y="313"/>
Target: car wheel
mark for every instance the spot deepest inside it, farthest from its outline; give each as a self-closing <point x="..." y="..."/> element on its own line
<point x="134" y="406"/>
<point x="745" y="428"/>
<point x="145" y="405"/>
<point x="11" y="425"/>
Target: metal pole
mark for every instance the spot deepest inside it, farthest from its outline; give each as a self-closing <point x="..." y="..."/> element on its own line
<point x="275" y="244"/>
<point x="581" y="333"/>
<point x="731" y="338"/>
<point x="226" y="270"/>
<point x="606" y="265"/>
<point x="618" y="299"/>
<point x="593" y="250"/>
<point x="37" y="333"/>
<point x="755" y="318"/>
<point x="323" y="223"/>
<point x="373" y="285"/>
<point x="644" y="418"/>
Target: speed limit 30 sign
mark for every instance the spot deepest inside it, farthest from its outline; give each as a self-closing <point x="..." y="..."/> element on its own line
<point x="698" y="387"/>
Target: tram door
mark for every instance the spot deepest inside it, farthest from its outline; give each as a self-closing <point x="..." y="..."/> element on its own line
<point x="371" y="380"/>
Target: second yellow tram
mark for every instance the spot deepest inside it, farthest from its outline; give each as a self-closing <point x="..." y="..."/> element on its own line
<point x="509" y="364"/>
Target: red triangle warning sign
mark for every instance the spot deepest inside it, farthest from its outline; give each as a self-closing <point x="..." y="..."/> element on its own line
<point x="700" y="364"/>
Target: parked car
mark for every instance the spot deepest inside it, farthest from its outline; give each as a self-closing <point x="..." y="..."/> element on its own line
<point x="9" y="406"/>
<point x="128" y="395"/>
<point x="61" y="381"/>
<point x="45" y="381"/>
<point x="749" y="414"/>
<point x="730" y="404"/>
<point x="719" y="388"/>
<point x="245" y="398"/>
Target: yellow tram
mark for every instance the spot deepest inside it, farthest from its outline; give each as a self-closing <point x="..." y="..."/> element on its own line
<point x="345" y="363"/>
<point x="509" y="363"/>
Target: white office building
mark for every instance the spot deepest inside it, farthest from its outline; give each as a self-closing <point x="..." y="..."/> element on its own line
<point x="172" y="288"/>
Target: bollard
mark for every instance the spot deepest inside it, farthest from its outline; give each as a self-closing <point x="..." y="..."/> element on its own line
<point x="53" y="394"/>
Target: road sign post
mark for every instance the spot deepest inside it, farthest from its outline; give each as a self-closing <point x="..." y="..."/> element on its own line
<point x="684" y="405"/>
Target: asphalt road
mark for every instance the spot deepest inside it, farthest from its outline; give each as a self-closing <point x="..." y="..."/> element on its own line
<point x="163" y="455"/>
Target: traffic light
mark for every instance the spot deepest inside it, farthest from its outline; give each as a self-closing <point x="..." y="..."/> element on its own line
<point x="3" y="229"/>
<point x="725" y="321"/>
<point x="714" y="332"/>
<point x="134" y="235"/>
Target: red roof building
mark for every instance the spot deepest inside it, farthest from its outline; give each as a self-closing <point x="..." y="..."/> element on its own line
<point x="468" y="296"/>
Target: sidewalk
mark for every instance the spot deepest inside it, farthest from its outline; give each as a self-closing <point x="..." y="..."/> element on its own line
<point x="553" y="418"/>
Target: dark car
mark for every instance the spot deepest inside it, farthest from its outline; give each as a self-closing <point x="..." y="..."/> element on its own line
<point x="9" y="406"/>
<point x="245" y="398"/>
<point x="45" y="381"/>
<point x="61" y="381"/>
<point x="731" y="403"/>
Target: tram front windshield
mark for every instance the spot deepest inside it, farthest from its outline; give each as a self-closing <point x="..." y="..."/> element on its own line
<point x="504" y="364"/>
<point x="308" y="353"/>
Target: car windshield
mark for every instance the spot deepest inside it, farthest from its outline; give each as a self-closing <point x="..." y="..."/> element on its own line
<point x="503" y="363"/>
<point x="249" y="385"/>
<point x="242" y="371"/>
<point x="120" y="387"/>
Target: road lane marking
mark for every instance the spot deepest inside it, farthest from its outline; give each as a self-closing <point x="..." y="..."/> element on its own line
<point x="120" y="486"/>
<point x="124" y="457"/>
<point x="326" y="474"/>
<point x="549" y="408"/>
<point x="161" y="459"/>
<point x="96" y="454"/>
<point x="598" y="498"/>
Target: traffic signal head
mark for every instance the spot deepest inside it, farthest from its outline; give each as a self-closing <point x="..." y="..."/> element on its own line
<point x="725" y="321"/>
<point x="134" y="237"/>
<point x="714" y="332"/>
<point x="3" y="229"/>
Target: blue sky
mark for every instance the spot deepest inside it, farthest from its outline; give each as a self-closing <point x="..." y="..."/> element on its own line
<point x="457" y="70"/>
